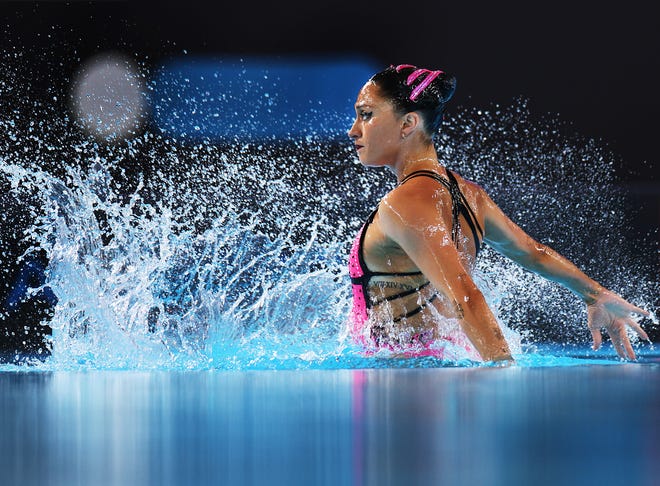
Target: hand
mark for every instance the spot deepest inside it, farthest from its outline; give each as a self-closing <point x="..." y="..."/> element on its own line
<point x="611" y="312"/>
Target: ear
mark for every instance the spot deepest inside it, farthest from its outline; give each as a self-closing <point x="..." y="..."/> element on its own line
<point x="409" y="123"/>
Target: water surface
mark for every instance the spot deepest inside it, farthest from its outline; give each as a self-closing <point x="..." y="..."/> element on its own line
<point x="588" y="424"/>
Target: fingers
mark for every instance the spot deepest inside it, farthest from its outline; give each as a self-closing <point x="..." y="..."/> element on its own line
<point x="615" y="321"/>
<point x="638" y="329"/>
<point x="621" y="341"/>
<point x="637" y="310"/>
<point x="619" y="345"/>
<point x="598" y="339"/>
<point x="619" y="338"/>
<point x="627" y="305"/>
<point x="629" y="353"/>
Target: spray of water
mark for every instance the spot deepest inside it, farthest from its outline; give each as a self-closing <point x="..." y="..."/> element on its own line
<point x="170" y="253"/>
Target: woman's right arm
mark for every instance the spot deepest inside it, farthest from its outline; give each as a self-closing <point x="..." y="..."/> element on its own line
<point x="409" y="216"/>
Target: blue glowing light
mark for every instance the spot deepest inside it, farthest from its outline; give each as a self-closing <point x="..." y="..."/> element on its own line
<point x="257" y="98"/>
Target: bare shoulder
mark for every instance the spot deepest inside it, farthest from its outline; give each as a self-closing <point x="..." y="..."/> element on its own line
<point x="416" y="197"/>
<point x="415" y="203"/>
<point x="469" y="186"/>
<point x="476" y="195"/>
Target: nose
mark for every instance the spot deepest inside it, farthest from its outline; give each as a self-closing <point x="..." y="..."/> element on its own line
<point x="353" y="132"/>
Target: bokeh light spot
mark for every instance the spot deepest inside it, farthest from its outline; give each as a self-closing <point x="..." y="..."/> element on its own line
<point x="108" y="97"/>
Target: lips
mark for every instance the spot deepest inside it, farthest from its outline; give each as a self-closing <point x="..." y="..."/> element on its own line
<point x="358" y="147"/>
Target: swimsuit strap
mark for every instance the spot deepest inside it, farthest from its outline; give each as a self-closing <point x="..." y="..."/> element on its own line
<point x="405" y="293"/>
<point x="367" y="274"/>
<point x="416" y="310"/>
<point x="459" y="205"/>
<point x="472" y="220"/>
<point x="455" y="225"/>
<point x="380" y="328"/>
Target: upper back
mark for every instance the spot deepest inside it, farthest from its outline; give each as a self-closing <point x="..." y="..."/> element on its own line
<point x="466" y="201"/>
<point x="458" y="203"/>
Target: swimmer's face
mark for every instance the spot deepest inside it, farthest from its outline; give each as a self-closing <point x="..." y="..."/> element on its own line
<point x="376" y="131"/>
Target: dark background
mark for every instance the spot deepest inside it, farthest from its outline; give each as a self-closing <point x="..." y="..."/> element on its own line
<point x="592" y="66"/>
<point x="597" y="66"/>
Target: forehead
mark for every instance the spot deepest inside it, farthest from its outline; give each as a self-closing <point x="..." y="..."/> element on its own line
<point x="369" y="95"/>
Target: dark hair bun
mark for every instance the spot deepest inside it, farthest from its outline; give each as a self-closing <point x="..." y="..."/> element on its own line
<point x="447" y="86"/>
<point x="410" y="88"/>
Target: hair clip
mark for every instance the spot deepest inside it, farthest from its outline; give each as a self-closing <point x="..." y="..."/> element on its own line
<point x="430" y="76"/>
<point x="404" y="66"/>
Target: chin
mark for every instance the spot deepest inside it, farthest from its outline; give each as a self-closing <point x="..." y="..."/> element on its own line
<point x="366" y="161"/>
<point x="372" y="163"/>
<point x="363" y="161"/>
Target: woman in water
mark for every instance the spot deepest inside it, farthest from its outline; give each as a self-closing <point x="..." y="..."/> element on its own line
<point x="411" y="264"/>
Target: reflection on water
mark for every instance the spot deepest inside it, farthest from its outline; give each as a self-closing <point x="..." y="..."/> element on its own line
<point x="400" y="426"/>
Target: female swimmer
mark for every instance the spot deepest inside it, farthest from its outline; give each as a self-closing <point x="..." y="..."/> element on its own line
<point x="411" y="263"/>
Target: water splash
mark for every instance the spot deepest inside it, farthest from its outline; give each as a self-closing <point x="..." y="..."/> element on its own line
<point x="171" y="254"/>
<point x="138" y="285"/>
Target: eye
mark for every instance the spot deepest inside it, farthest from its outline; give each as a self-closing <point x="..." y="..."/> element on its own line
<point x="365" y="115"/>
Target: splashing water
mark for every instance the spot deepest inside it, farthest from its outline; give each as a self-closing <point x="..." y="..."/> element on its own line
<point x="144" y="284"/>
<point x="171" y="254"/>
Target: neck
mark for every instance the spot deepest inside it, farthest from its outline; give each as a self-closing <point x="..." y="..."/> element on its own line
<point x="425" y="160"/>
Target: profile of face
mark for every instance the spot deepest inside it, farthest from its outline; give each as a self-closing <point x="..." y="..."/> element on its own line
<point x="377" y="130"/>
<point x="398" y="106"/>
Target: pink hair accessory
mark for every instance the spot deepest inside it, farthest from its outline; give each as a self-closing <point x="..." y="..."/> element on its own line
<point x="404" y="66"/>
<point x="430" y="76"/>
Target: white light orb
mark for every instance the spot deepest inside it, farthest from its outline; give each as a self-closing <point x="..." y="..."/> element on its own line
<point x="108" y="97"/>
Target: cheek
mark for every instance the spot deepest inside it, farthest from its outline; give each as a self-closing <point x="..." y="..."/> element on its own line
<point x="387" y="133"/>
<point x="379" y="135"/>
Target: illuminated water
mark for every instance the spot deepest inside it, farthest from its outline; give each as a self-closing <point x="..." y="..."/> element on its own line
<point x="171" y="270"/>
<point x="586" y="425"/>
<point x="185" y="253"/>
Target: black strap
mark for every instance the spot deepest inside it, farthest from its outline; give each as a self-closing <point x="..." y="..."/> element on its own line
<point x="417" y="310"/>
<point x="468" y="214"/>
<point x="364" y="279"/>
<point x="459" y="205"/>
<point x="405" y="293"/>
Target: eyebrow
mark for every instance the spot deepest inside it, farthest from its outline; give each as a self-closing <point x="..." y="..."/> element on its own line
<point x="362" y="106"/>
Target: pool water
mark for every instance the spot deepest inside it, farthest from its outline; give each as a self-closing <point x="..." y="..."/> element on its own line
<point x="584" y="424"/>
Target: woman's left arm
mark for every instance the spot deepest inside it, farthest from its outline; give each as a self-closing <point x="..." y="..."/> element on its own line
<point x="605" y="309"/>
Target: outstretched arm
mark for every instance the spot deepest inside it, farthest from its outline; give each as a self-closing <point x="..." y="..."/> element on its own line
<point x="605" y="309"/>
